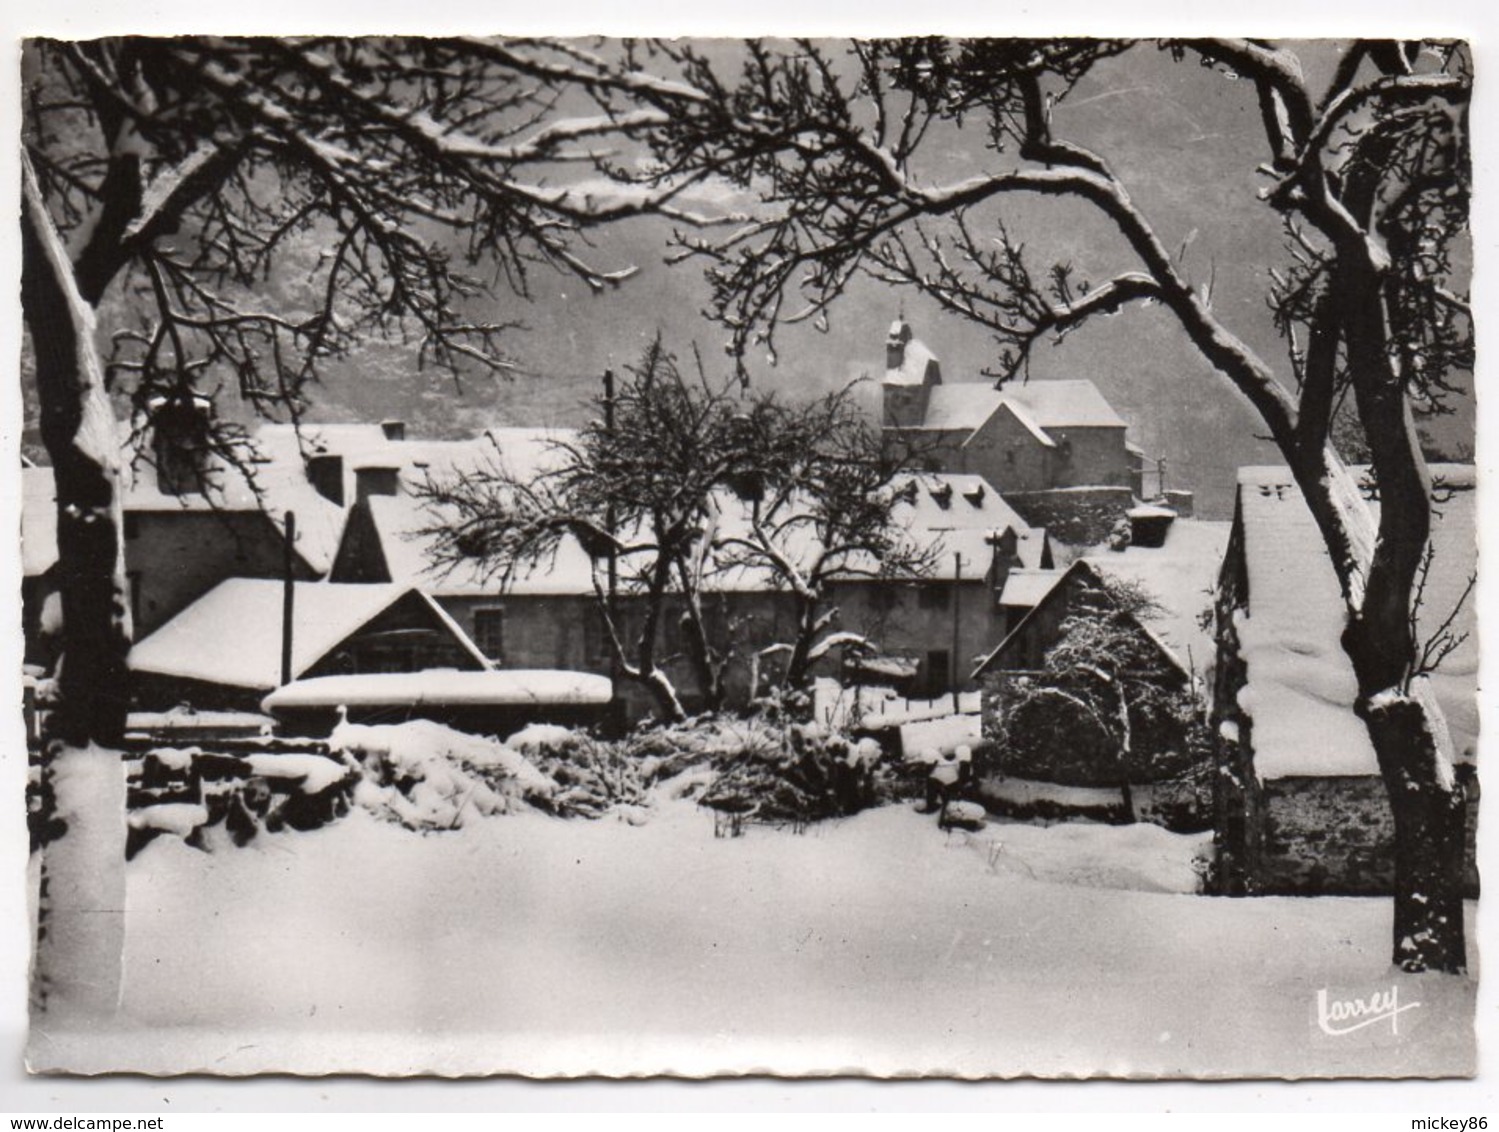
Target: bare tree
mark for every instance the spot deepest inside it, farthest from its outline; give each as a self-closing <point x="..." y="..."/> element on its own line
<point x="248" y="210"/>
<point x="635" y="489"/>
<point x="258" y="207"/>
<point x="1369" y="176"/>
<point x="820" y="506"/>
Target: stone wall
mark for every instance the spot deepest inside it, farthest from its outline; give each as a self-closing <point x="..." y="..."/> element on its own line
<point x="1078" y="516"/>
<point x="1326" y="835"/>
<point x="1335" y="836"/>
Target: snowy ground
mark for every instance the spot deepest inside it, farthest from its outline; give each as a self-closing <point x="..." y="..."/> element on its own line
<point x="532" y="945"/>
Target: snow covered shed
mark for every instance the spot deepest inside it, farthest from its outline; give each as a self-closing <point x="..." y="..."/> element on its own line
<point x="1300" y="804"/>
<point x="492" y="701"/>
<point x="224" y="651"/>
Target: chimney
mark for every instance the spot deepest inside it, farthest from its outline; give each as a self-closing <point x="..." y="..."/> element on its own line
<point x="325" y="471"/>
<point x="376" y="481"/>
<point x="393" y="429"/>
<point x="1179" y="501"/>
<point x="180" y="442"/>
<point x="1149" y="524"/>
<point x="1006" y="557"/>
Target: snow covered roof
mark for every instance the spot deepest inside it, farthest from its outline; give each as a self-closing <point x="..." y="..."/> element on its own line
<point x="1180" y="576"/>
<point x="961" y="405"/>
<point x="958" y="514"/>
<point x="1074" y="402"/>
<point x="399" y="521"/>
<point x="507" y="687"/>
<point x="319" y="521"/>
<point x="232" y="634"/>
<point x="943" y="501"/>
<point x="964" y="406"/>
<point x="918" y="364"/>
<point x="1301" y="686"/>
<point x="1024" y="589"/>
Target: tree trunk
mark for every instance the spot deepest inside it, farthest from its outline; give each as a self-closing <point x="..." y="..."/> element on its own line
<point x="1126" y="755"/>
<point x="797" y="668"/>
<point x="1404" y="720"/>
<point x="81" y="909"/>
<point x="1430" y="816"/>
<point x="79" y="430"/>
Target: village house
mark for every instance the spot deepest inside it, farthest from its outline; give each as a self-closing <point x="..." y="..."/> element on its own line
<point x="225" y="650"/>
<point x="546" y="615"/>
<point x="181" y="541"/>
<point x="354" y="490"/>
<point x="1055" y="449"/>
<point x="1171" y="567"/>
<point x="1301" y="807"/>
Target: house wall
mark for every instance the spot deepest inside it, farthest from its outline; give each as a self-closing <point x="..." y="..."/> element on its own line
<point x="1008" y="455"/>
<point x="565" y="631"/>
<point x="174" y="558"/>
<point x="905" y="405"/>
<point x="916" y="620"/>
<point x="1324" y="836"/>
<point x="1089" y="456"/>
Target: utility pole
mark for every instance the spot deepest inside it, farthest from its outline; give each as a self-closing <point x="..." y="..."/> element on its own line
<point x="1160" y="475"/>
<point x="288" y="595"/>
<point x="609" y="511"/>
<point x="611" y="600"/>
<point x="957" y="604"/>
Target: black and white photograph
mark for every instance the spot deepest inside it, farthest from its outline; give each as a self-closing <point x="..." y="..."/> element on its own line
<point x="584" y="556"/>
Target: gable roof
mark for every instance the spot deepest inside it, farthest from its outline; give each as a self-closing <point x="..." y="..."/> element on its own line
<point x="399" y="522"/>
<point x="232" y="634"/>
<point x="961" y="406"/>
<point x="957" y="513"/>
<point x="965" y="406"/>
<point x="1180" y="575"/>
<point x="319" y="521"/>
<point x="1300" y="682"/>
<point x="1074" y="402"/>
<point x="1085" y="570"/>
<point x="1024" y="589"/>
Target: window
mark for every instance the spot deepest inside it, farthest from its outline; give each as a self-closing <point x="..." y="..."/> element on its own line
<point x="935" y="597"/>
<point x="489" y="632"/>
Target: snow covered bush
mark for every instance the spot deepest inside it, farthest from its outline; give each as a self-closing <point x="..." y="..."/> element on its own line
<point x="806" y="775"/>
<point x="430" y="777"/>
<point x="594" y="776"/>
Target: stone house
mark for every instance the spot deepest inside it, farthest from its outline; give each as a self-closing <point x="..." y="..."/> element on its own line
<point x="1300" y="805"/>
<point x="1030" y="440"/>
<point x="1075" y="772"/>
